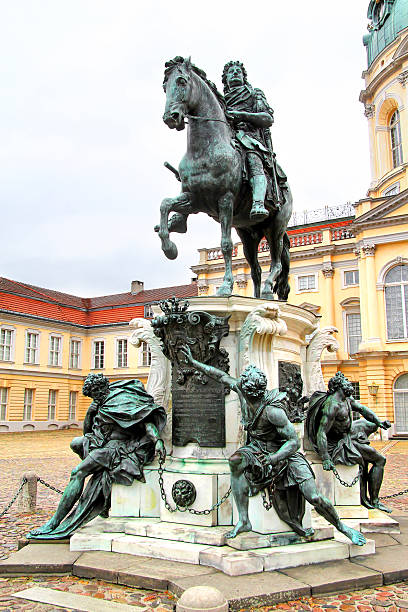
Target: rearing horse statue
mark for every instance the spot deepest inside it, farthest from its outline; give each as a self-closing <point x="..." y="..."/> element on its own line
<point x="212" y="182"/>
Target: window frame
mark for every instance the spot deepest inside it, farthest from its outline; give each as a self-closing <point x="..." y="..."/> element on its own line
<point x="307" y="274"/>
<point x="117" y="341"/>
<point x="348" y="314"/>
<point x="12" y="329"/>
<point x="143" y="353"/>
<point x="94" y="343"/>
<point x="58" y="353"/>
<point x="52" y="406"/>
<point x="400" y="284"/>
<point x="347" y="285"/>
<point x="397" y="158"/>
<point x="36" y="350"/>
<point x="402" y="393"/>
<point x="75" y="394"/>
<point x="147" y="309"/>
<point x="6" y="392"/>
<point x="32" y="392"/>
<point x="79" y="366"/>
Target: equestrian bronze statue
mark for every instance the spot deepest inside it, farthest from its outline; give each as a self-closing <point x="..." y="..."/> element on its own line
<point x="229" y="171"/>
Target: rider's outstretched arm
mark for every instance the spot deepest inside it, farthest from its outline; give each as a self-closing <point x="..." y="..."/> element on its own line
<point x="210" y="371"/>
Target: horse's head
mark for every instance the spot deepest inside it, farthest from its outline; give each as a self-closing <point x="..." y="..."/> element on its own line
<point x="180" y="89"/>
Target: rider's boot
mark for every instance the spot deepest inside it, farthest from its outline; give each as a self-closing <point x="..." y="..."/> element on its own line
<point x="258" y="185"/>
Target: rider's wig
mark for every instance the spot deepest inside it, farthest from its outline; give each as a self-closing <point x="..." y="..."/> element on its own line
<point x="226" y="68"/>
<point x="95" y="385"/>
<point x="253" y="381"/>
<point x="337" y="382"/>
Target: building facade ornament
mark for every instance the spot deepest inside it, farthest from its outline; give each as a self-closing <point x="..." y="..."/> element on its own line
<point x="368" y="249"/>
<point x="357" y="252"/>
<point x="241" y="281"/>
<point x="328" y="270"/>
<point x="403" y="77"/>
<point x="369" y="110"/>
<point x="202" y="285"/>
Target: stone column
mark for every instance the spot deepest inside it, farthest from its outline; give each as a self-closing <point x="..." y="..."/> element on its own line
<point x="328" y="273"/>
<point x="368" y="302"/>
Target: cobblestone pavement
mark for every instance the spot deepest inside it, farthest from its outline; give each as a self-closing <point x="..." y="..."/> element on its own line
<point x="49" y="455"/>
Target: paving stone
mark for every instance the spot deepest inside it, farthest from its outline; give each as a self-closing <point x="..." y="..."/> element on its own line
<point x="392" y="561"/>
<point x="156" y="574"/>
<point x="40" y="558"/>
<point x="335" y="576"/>
<point x="247" y="591"/>
<point x="101" y="564"/>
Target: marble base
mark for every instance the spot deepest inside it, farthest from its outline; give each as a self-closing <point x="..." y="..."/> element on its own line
<point x="268" y="521"/>
<point x="246" y="554"/>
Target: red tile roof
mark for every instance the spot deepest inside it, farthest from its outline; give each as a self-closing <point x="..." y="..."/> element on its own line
<point x="47" y="303"/>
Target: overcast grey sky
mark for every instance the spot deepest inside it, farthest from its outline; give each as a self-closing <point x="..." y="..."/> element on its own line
<point x="82" y="142"/>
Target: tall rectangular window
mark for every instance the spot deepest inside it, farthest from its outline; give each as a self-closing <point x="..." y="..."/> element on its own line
<point x="6" y="344"/>
<point x="4" y="393"/>
<point x="306" y="282"/>
<point x="52" y="404"/>
<point x="98" y="354"/>
<point x="31" y="348"/>
<point x="146" y="359"/>
<point x="73" y="398"/>
<point x="353" y="322"/>
<point x="121" y="353"/>
<point x="54" y="358"/>
<point x="75" y="354"/>
<point x="28" y="404"/>
<point x="148" y="311"/>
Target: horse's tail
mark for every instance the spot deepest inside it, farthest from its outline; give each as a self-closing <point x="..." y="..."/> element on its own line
<point x="282" y="287"/>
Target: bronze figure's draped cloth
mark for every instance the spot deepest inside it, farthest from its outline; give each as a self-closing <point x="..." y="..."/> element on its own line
<point x="119" y="445"/>
<point x="255" y="139"/>
<point x="341" y="447"/>
<point x="280" y="480"/>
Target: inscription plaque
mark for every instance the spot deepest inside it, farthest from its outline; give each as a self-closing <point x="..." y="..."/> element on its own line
<point x="198" y="413"/>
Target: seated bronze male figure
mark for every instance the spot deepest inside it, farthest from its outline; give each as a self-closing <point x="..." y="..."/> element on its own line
<point x="339" y="439"/>
<point x="121" y="434"/>
<point x="270" y="458"/>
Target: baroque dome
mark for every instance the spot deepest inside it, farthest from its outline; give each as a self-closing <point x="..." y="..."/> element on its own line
<point x="387" y="19"/>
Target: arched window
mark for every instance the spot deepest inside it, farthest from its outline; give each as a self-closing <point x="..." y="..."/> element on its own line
<point x="401" y="403"/>
<point x="395" y="136"/>
<point x="396" y="302"/>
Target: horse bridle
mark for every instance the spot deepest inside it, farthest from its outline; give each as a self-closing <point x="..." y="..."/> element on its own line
<point x="197" y="117"/>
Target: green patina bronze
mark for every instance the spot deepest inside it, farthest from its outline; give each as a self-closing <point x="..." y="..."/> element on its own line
<point x="387" y="19"/>
<point x="339" y="439"/>
<point x="270" y="459"/>
<point x="229" y="170"/>
<point x="121" y="434"/>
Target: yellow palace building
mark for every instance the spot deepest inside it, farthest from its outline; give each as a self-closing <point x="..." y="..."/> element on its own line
<point x="349" y="264"/>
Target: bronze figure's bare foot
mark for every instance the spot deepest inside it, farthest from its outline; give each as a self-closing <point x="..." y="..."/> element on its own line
<point x="240" y="527"/>
<point x="355" y="536"/>
<point x="46" y="528"/>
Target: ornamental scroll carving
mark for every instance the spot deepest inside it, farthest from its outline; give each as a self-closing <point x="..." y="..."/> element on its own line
<point x="313" y="376"/>
<point x="159" y="380"/>
<point x="262" y="322"/>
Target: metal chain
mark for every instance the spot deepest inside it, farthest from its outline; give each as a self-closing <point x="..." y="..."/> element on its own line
<point x="185" y="509"/>
<point x="23" y="481"/>
<point x="46" y="484"/>
<point x="395" y="494"/>
<point x="343" y="482"/>
<point x="266" y="504"/>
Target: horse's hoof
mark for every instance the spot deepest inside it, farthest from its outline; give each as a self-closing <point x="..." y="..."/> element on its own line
<point x="157" y="228"/>
<point x="170" y="251"/>
<point x="267" y="295"/>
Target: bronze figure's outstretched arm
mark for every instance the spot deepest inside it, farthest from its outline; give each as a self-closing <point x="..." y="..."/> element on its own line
<point x="210" y="371"/>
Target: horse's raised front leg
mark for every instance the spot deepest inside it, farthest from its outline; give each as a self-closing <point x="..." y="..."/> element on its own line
<point x="225" y="207"/>
<point x="167" y="206"/>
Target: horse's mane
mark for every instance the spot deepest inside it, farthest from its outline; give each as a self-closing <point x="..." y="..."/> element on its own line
<point x="178" y="60"/>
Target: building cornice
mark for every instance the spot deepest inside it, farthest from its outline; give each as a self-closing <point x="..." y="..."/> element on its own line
<point x="387" y="72"/>
<point x="388" y="221"/>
